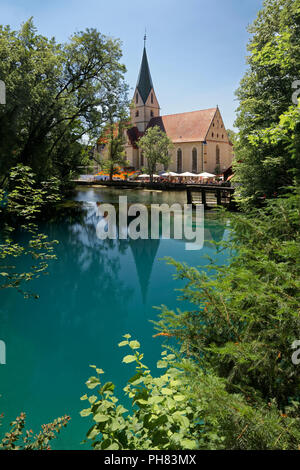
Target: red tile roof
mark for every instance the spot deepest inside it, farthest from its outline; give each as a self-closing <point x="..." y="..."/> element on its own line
<point x="185" y="127"/>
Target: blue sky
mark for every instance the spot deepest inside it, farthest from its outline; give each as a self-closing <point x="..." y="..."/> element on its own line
<point x="196" y="48"/>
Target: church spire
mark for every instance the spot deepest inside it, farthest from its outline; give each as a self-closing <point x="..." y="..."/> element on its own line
<point x="145" y="104"/>
<point x="144" y="84"/>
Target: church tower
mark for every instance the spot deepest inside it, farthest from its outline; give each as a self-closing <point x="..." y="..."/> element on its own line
<point x="144" y="105"/>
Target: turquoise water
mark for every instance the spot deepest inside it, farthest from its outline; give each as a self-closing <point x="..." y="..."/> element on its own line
<point x="95" y="292"/>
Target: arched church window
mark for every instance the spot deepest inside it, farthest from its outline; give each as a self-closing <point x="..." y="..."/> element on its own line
<point x="194" y="160"/>
<point x="179" y="161"/>
<point x="136" y="114"/>
<point x="151" y="113"/>
<point x="217" y="155"/>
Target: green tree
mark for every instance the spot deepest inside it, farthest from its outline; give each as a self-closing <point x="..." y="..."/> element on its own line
<point x="156" y="147"/>
<point x="265" y="93"/>
<point x="114" y="131"/>
<point x="19" y="209"/>
<point x="56" y="94"/>
<point x="232" y="135"/>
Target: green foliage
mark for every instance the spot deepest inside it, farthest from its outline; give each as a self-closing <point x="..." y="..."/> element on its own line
<point x="114" y="132"/>
<point x="156" y="147"/>
<point x="184" y="408"/>
<point x="265" y="95"/>
<point x="247" y="313"/>
<point x="18" y="438"/>
<point x="55" y="94"/>
<point x="164" y="414"/>
<point x="19" y="209"/>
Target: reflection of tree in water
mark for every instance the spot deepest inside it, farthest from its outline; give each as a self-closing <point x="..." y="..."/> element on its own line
<point x="214" y="230"/>
<point x="96" y="262"/>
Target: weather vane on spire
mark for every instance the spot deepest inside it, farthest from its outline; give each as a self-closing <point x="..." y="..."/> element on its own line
<point x="145" y="38"/>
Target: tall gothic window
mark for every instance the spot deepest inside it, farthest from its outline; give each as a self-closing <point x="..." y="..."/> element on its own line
<point x="152" y="98"/>
<point x="194" y="161"/>
<point x="179" y="161"/>
<point x="136" y="114"/>
<point x="217" y="155"/>
<point x="136" y="98"/>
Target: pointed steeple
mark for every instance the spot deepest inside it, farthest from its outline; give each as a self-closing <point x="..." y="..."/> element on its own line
<point x="144" y="104"/>
<point x="144" y="84"/>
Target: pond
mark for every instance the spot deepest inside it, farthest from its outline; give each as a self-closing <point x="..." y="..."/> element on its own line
<point x="95" y="292"/>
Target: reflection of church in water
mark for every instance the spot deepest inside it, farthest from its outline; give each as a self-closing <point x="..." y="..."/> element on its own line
<point x="144" y="251"/>
<point x="144" y="254"/>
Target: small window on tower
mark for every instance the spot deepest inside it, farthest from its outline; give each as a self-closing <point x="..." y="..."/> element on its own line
<point x="136" y="114"/>
<point x="151" y="113"/>
<point x="152" y="98"/>
<point x="137" y="98"/>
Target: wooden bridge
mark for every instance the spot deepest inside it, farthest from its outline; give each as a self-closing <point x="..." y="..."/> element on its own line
<point x="210" y="196"/>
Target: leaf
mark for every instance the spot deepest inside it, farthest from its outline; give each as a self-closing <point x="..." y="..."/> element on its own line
<point x="128" y="359"/>
<point x="156" y="399"/>
<point x="134" y="345"/>
<point x="181" y="419"/>
<point x="85" y="412"/>
<point x="189" y="444"/>
<point x="92" y="399"/>
<point x="142" y="402"/>
<point x="109" y="386"/>
<point x="92" y="382"/>
<point x="113" y="446"/>
<point x="92" y="432"/>
<point x="162" y="364"/>
<point x="120" y="410"/>
<point x="100" y="418"/>
<point x="179" y="397"/>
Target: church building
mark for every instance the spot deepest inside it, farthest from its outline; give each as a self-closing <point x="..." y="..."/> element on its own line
<point x="199" y="137"/>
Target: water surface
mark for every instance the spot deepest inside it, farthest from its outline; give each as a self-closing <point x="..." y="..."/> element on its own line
<point x="95" y="292"/>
